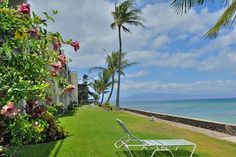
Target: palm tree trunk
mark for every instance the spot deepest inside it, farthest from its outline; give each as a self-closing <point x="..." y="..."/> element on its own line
<point x="119" y="69"/>
<point x="112" y="87"/>
<point x="102" y="97"/>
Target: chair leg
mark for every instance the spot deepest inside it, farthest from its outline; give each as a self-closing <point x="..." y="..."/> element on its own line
<point x="154" y="152"/>
<point x="176" y="148"/>
<point x="170" y="152"/>
<point x="127" y="148"/>
<point x="193" y="151"/>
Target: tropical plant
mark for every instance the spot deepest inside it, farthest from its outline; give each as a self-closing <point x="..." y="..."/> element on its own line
<point x="112" y="62"/>
<point x="54" y="131"/>
<point x="24" y="49"/>
<point x="124" y="14"/>
<point x="22" y="131"/>
<point x="107" y="106"/>
<point x="226" y="19"/>
<point x="31" y="61"/>
<point x="102" y="83"/>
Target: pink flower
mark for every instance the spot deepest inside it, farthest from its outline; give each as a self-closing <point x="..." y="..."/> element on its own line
<point x="69" y="88"/>
<point x="57" y="66"/>
<point x="76" y="45"/>
<point x="62" y="59"/>
<point x="9" y="110"/>
<point x="57" y="45"/>
<point x="24" y="8"/>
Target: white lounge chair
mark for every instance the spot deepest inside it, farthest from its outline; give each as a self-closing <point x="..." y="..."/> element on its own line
<point x="129" y="140"/>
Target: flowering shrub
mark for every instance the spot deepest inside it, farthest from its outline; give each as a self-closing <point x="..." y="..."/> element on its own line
<point x="30" y="60"/>
<point x="25" y="50"/>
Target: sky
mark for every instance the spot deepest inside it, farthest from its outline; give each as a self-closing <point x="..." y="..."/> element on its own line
<point x="172" y="53"/>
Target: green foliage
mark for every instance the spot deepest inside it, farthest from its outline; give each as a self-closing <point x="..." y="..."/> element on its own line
<point x="52" y="109"/>
<point x="72" y="106"/>
<point x="83" y="93"/>
<point x="60" y="107"/>
<point x="54" y="131"/>
<point x="22" y="131"/>
<point x="107" y="106"/>
<point x="27" y="49"/>
<point x="24" y="51"/>
<point x="3" y="151"/>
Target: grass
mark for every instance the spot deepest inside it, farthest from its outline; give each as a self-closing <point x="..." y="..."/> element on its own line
<point x="93" y="132"/>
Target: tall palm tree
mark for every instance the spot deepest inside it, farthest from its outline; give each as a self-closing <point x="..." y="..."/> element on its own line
<point x="103" y="83"/>
<point x="124" y="14"/>
<point x="227" y="18"/>
<point x="112" y="62"/>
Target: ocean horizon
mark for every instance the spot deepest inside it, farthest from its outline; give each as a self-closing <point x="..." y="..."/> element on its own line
<point x="221" y="110"/>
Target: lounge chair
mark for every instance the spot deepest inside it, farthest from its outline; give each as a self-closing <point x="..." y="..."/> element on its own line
<point x="129" y="140"/>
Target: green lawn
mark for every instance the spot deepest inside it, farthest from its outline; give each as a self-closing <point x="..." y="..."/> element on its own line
<point x="93" y="132"/>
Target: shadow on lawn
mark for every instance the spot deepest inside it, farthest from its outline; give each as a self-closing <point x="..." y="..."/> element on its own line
<point x="148" y="153"/>
<point x="68" y="114"/>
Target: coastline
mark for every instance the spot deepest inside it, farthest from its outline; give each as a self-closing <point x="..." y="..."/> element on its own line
<point x="229" y="129"/>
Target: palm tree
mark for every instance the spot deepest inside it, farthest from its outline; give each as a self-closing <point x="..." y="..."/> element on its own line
<point x="102" y="84"/>
<point x="112" y="62"/>
<point x="227" y="18"/>
<point x="124" y="14"/>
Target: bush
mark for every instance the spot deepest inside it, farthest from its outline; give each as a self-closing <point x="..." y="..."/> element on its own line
<point x="60" y="107"/>
<point x="3" y="151"/>
<point x="21" y="131"/>
<point x="53" y="110"/>
<point x="72" y="106"/>
<point x="107" y="106"/>
<point x="54" y="131"/>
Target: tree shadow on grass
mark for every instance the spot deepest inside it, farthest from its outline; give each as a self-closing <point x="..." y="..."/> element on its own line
<point x="39" y="150"/>
<point x="148" y="153"/>
<point x="36" y="150"/>
<point x="68" y="114"/>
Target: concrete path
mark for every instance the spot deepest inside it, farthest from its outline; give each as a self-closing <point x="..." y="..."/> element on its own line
<point x="214" y="134"/>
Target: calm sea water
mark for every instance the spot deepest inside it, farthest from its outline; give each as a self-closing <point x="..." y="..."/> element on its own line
<point x="220" y="110"/>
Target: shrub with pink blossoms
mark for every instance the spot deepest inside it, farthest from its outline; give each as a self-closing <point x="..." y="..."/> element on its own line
<point x="9" y="110"/>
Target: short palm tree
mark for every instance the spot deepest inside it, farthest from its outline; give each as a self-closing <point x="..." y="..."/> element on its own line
<point x="102" y="84"/>
<point x="227" y="18"/>
<point x="112" y="62"/>
<point x="124" y="14"/>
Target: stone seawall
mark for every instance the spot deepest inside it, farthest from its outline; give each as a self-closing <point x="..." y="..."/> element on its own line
<point x="215" y="126"/>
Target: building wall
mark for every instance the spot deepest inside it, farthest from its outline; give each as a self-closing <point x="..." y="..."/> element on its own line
<point x="74" y="81"/>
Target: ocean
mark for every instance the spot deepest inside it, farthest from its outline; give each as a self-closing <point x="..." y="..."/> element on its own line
<point x="219" y="110"/>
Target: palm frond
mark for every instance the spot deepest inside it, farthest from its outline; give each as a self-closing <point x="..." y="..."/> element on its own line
<point x="124" y="66"/>
<point x="126" y="29"/>
<point x="113" y="25"/>
<point x="182" y="6"/>
<point x="122" y="73"/>
<point x="227" y="18"/>
<point x="93" y="69"/>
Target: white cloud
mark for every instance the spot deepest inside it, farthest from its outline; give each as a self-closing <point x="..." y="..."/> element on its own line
<point x="215" y="86"/>
<point x="160" y="41"/>
<point x="137" y="74"/>
<point x="80" y="20"/>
